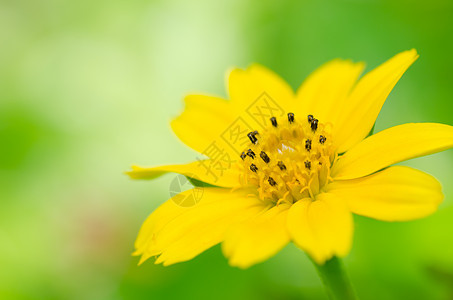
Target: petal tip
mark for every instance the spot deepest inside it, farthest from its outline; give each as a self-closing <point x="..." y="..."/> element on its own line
<point x="143" y="258"/>
<point x="412" y="55"/>
<point x="131" y="173"/>
<point x="237" y="264"/>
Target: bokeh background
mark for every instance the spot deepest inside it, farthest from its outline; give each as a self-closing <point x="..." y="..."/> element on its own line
<point x="88" y="88"/>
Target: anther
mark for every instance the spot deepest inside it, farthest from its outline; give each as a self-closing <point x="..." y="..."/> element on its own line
<point x="310" y="118"/>
<point x="290" y="117"/>
<point x="272" y="181"/>
<point x="252" y="136"/>
<point x="251" y="153"/>
<point x="322" y="139"/>
<point x="264" y="156"/>
<point x="243" y="155"/>
<point x="314" y="124"/>
<point x="253" y="168"/>
<point x="308" y="164"/>
<point x="274" y="121"/>
<point x="281" y="165"/>
<point x="308" y="145"/>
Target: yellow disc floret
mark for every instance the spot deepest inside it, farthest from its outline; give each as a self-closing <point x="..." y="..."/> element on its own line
<point x="289" y="160"/>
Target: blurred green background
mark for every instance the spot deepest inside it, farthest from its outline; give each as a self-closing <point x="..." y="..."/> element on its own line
<point x="88" y="88"/>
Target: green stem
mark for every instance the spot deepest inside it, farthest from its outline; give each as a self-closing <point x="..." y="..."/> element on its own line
<point x="335" y="280"/>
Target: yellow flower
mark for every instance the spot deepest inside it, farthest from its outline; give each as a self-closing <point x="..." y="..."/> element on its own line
<point x="284" y="166"/>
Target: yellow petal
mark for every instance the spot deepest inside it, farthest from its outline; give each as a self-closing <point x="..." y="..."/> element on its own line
<point x="394" y="194"/>
<point x="365" y="101"/>
<point x="259" y="94"/>
<point x="203" y="123"/>
<point x="218" y="128"/>
<point x="326" y="89"/>
<point x="180" y="233"/>
<point x="323" y="228"/>
<point x="257" y="239"/>
<point x="393" y="145"/>
<point x="215" y="173"/>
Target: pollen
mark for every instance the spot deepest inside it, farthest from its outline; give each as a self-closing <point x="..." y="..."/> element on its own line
<point x="288" y="160"/>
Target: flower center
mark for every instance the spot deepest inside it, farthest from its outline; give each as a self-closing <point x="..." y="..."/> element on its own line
<point x="289" y="160"/>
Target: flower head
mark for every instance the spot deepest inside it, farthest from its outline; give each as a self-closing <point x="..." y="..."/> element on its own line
<point x="284" y="166"/>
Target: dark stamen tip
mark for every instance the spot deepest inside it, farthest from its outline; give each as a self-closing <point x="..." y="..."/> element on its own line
<point x="322" y="139"/>
<point x="274" y="121"/>
<point x="281" y="165"/>
<point x="310" y="118"/>
<point x="314" y="124"/>
<point x="308" y="145"/>
<point x="253" y="168"/>
<point x="290" y="117"/>
<point x="272" y="181"/>
<point x="308" y="164"/>
<point x="264" y="156"/>
<point x="243" y="155"/>
<point x="252" y="136"/>
<point x="251" y="153"/>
